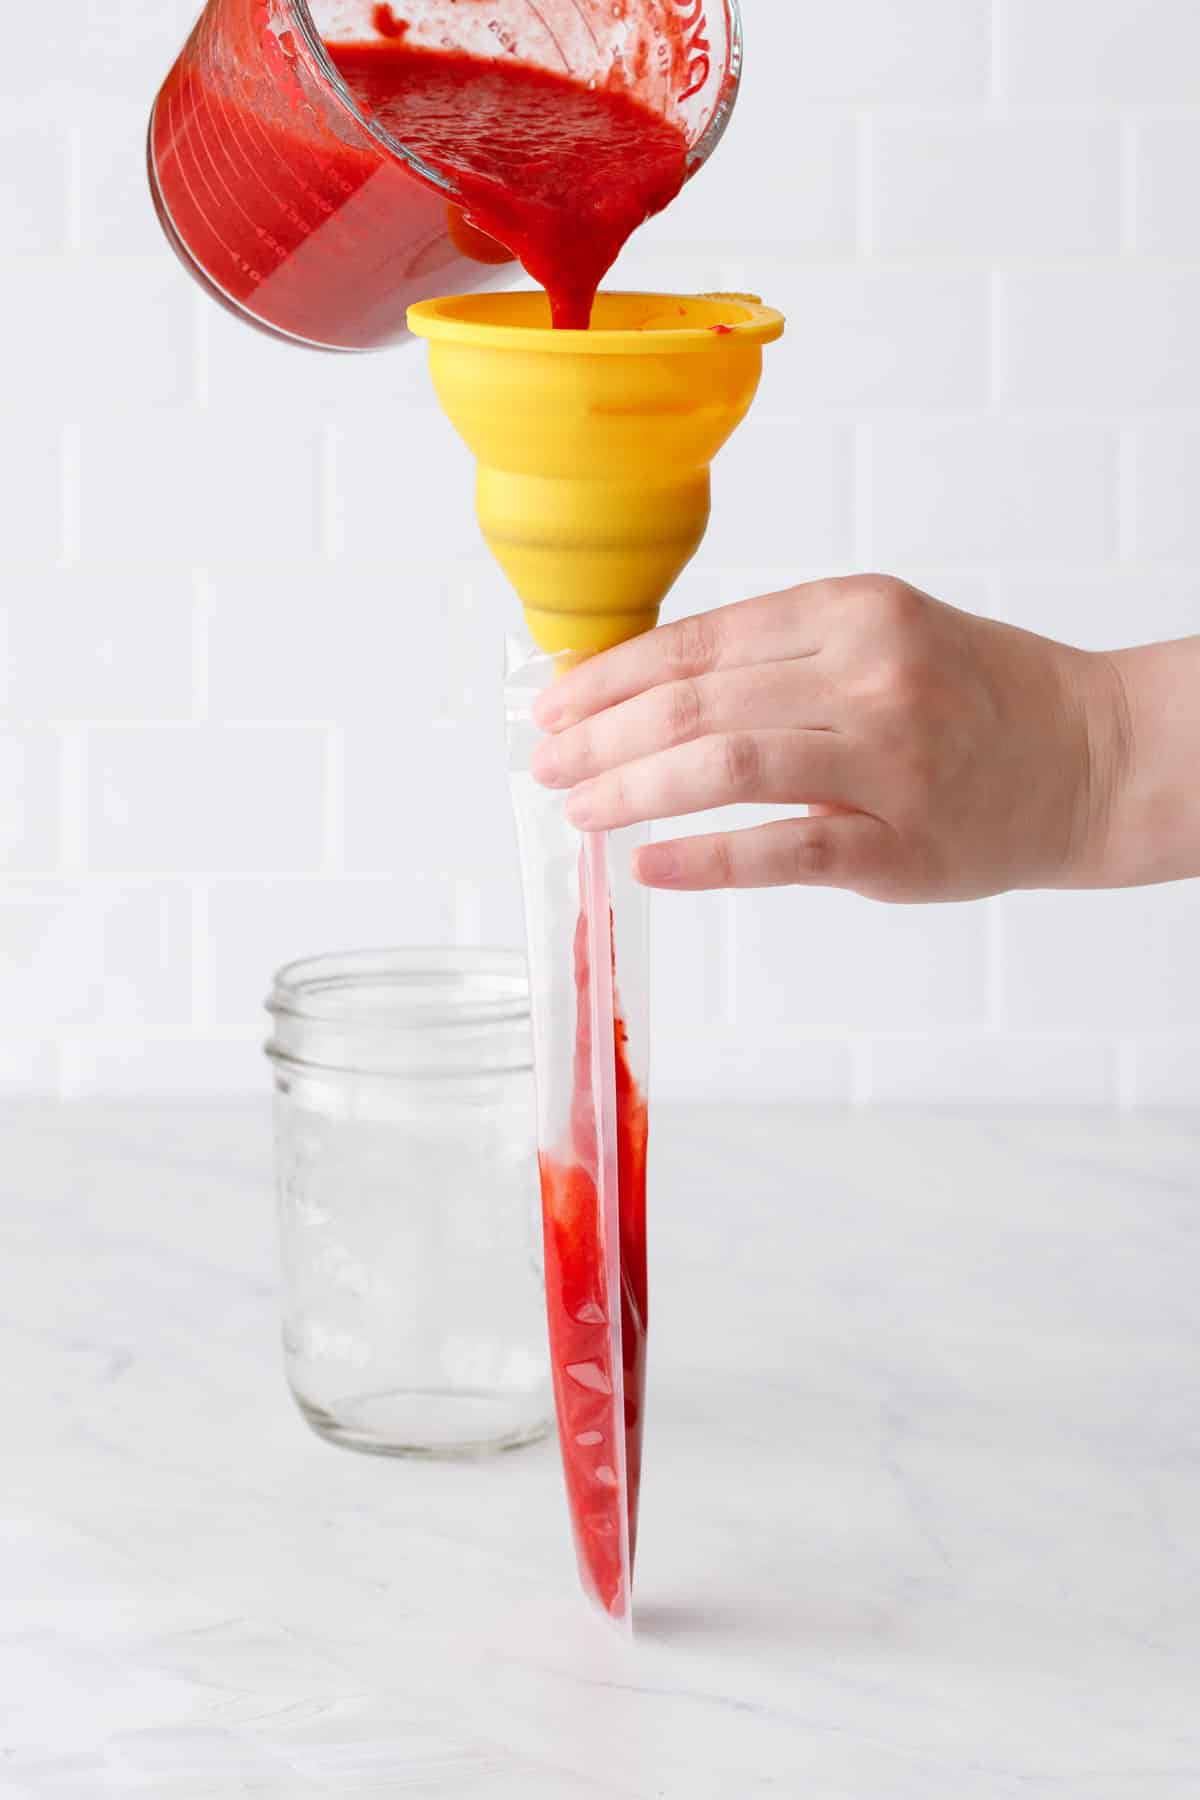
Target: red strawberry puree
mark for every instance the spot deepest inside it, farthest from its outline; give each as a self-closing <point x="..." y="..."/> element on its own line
<point x="580" y="1337"/>
<point x="329" y="241"/>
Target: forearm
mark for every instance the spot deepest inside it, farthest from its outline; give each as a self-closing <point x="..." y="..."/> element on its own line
<point x="1153" y="825"/>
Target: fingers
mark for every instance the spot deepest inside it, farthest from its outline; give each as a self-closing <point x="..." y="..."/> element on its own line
<point x="780" y="696"/>
<point x="772" y="767"/>
<point x="849" y="850"/>
<point x="773" y="628"/>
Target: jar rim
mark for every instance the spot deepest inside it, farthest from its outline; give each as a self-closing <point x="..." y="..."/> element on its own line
<point x="416" y="1014"/>
<point x="448" y="988"/>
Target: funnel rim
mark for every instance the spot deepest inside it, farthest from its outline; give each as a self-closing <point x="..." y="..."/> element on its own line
<point x="449" y="320"/>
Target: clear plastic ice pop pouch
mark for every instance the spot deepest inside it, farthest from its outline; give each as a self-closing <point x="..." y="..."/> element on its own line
<point x="589" y="963"/>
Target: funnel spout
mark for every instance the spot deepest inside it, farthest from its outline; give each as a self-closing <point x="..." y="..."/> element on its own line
<point x="592" y="561"/>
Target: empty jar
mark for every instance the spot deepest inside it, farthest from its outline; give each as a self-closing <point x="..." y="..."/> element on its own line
<point x="406" y="1167"/>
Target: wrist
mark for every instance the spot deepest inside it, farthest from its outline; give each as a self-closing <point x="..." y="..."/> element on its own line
<point x="1144" y="728"/>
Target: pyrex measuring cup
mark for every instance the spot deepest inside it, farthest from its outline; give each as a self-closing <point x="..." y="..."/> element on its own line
<point x="310" y="220"/>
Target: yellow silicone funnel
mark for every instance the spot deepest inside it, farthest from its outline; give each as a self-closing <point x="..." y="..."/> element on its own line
<point x="594" y="446"/>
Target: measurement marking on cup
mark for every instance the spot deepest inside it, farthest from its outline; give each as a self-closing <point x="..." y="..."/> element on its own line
<point x="700" y="58"/>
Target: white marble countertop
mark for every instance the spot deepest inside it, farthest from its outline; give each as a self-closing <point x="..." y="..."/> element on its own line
<point x="921" y="1516"/>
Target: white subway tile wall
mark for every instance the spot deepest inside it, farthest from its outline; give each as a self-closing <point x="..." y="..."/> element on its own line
<point x="251" y="647"/>
<point x="993" y="187"/>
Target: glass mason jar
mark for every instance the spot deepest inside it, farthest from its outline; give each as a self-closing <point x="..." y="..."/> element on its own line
<point x="406" y="1168"/>
<point x="311" y="220"/>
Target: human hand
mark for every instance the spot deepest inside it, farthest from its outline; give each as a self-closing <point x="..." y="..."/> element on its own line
<point x="944" y="756"/>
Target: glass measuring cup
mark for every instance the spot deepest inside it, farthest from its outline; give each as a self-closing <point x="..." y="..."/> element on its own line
<point x="310" y="220"/>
